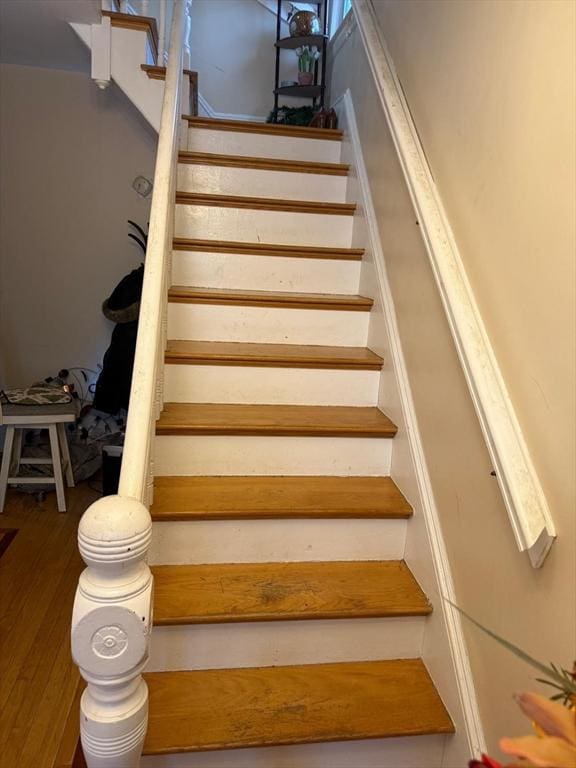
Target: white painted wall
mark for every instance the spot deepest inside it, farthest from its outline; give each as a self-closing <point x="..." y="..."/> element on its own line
<point x="232" y="48"/>
<point x="69" y="153"/>
<point x="531" y="605"/>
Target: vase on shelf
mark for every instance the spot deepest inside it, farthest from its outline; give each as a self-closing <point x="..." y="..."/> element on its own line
<point x="303" y="23"/>
<point x="305" y="78"/>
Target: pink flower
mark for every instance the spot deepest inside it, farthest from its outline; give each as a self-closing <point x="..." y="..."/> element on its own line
<point x="485" y="762"/>
<point x="555" y="744"/>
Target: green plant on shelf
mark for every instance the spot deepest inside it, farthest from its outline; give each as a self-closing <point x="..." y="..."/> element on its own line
<point x="307" y="55"/>
<point x="291" y="115"/>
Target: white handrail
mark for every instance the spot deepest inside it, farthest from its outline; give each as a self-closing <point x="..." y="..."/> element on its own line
<point x="145" y="396"/>
<point x="112" y="616"/>
<point x="522" y="492"/>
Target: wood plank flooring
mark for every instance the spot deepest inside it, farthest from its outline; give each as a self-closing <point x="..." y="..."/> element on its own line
<point x="38" y="577"/>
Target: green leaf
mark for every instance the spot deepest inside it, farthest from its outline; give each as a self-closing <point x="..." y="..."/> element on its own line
<point x="552" y="672"/>
<point x="549" y="682"/>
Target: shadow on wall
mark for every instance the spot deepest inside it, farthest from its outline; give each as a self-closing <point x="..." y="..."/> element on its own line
<point x="65" y="194"/>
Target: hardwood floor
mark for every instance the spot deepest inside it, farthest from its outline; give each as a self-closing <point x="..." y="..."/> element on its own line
<point x="38" y="576"/>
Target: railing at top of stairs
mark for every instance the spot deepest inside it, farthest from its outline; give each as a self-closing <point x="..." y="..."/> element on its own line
<point x="112" y="616"/>
<point x="163" y="20"/>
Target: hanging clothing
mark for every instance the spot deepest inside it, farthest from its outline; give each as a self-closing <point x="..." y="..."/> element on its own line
<point x="122" y="307"/>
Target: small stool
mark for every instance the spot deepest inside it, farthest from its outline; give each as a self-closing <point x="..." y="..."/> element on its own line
<point x="51" y="417"/>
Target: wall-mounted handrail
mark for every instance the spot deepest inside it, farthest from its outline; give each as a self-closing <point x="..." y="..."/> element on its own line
<point x="112" y="615"/>
<point x="516" y="475"/>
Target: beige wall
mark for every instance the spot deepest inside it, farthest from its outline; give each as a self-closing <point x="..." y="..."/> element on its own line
<point x="489" y="85"/>
<point x="232" y="48"/>
<point x="68" y="155"/>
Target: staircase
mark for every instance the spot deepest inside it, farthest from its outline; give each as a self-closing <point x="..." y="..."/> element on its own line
<point x="285" y="620"/>
<point x="283" y="611"/>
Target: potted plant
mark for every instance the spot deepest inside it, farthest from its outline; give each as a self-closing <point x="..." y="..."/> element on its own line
<point x="307" y="55"/>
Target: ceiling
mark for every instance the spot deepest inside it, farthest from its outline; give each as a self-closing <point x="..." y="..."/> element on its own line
<point x="36" y="32"/>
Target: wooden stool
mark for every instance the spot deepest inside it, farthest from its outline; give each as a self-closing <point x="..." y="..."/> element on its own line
<point x="51" y="417"/>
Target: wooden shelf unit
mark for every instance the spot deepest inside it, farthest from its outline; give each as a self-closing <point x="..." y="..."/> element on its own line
<point x="317" y="90"/>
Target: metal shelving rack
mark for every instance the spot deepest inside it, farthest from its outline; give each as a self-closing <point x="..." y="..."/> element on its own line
<point x="317" y="89"/>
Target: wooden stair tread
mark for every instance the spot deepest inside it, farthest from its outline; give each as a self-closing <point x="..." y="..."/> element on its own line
<point x="133" y="21"/>
<point x="265" y="203"/>
<point x="159" y="73"/>
<point x="262" y="163"/>
<point x="207" y="594"/>
<point x="273" y="420"/>
<point x="270" y="706"/>
<point x="263" y="497"/>
<point x="271" y="355"/>
<point x="193" y="295"/>
<point x="245" y="126"/>
<point x="267" y="249"/>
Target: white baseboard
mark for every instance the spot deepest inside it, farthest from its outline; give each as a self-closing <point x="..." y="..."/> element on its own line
<point x="452" y="634"/>
<point x="210" y="112"/>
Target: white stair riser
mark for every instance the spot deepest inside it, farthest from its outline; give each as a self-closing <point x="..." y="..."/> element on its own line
<point x="265" y="273"/>
<point x="238" y="455"/>
<point x="275" y="325"/>
<point x="264" y="644"/>
<point x="290" y="386"/>
<point x="206" y="222"/>
<point x="253" y="182"/>
<point x="271" y="541"/>
<point x="263" y="145"/>
<point x="409" y="752"/>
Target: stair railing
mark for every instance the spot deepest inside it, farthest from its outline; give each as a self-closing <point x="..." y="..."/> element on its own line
<point x="112" y="616"/>
<point x="145" y="8"/>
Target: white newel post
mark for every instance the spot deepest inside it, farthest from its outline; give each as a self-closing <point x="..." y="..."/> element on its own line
<point x="112" y="617"/>
<point x="111" y="626"/>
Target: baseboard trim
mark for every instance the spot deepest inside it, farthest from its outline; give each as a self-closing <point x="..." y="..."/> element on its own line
<point x="210" y="112"/>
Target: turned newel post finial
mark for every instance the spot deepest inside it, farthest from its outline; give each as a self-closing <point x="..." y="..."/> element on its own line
<point x="110" y="630"/>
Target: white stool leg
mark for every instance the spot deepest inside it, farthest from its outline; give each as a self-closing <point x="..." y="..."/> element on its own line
<point x="17" y="452"/>
<point x="66" y="454"/>
<point x="57" y="467"/>
<point x="6" y="461"/>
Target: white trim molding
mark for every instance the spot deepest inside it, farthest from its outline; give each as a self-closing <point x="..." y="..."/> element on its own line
<point x="462" y="672"/>
<point x="523" y="495"/>
<point x="342" y="32"/>
<point x="211" y="112"/>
